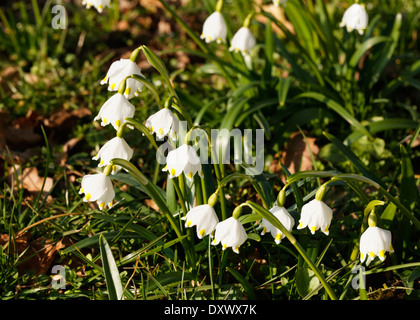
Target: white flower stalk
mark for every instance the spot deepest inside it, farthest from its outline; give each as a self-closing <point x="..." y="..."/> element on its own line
<point x="285" y="219"/>
<point x="243" y="41"/>
<point x="214" y="28"/>
<point x="98" y="187"/>
<point x="230" y="233"/>
<point x="163" y="123"/>
<point x="279" y="2"/>
<point x="98" y="4"/>
<point x="118" y="71"/>
<point x="355" y="18"/>
<point x="114" y="148"/>
<point x="183" y="159"/>
<point x="316" y="215"/>
<point x="204" y="218"/>
<point x="115" y="110"/>
<point x="375" y="242"/>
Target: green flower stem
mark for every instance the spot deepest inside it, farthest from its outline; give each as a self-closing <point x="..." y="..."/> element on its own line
<point x="219" y="6"/>
<point x="181" y="196"/>
<point x="248" y="19"/>
<point x="263" y="212"/>
<point x="107" y="170"/>
<point x="154" y="194"/>
<point x="198" y="190"/>
<point x="143" y="129"/>
<point x="149" y="86"/>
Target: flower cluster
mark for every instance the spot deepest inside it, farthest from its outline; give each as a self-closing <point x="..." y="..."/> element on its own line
<point x="215" y="29"/>
<point x="115" y="111"/>
<point x="125" y="79"/>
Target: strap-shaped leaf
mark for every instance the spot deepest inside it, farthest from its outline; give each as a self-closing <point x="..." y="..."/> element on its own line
<point x="112" y="275"/>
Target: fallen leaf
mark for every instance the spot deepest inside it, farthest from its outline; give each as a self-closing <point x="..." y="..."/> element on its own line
<point x="21" y="134"/>
<point x="297" y="153"/>
<point x="29" y="180"/>
<point x="39" y="254"/>
<point x="151" y="204"/>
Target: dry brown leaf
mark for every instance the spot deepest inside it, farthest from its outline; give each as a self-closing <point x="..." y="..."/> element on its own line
<point x="21" y="134"/>
<point x="39" y="254"/>
<point x="29" y="180"/>
<point x="151" y="204"/>
<point x="297" y="153"/>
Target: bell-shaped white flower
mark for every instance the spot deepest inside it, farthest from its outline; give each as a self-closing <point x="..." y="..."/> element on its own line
<point x="114" y="148"/>
<point x="98" y="187"/>
<point x="285" y="219"/>
<point x="243" y="41"/>
<point x="375" y="242"/>
<point x="315" y="215"/>
<point x="214" y="28"/>
<point x="115" y="110"/>
<point x="98" y="4"/>
<point x="230" y="233"/>
<point x="183" y="159"/>
<point x="355" y="18"/>
<point x="118" y="71"/>
<point x="279" y="2"/>
<point x="204" y="218"/>
<point x="163" y="123"/>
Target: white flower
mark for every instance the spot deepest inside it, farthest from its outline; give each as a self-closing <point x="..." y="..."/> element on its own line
<point x="279" y="2"/>
<point x="183" y="159"/>
<point x="315" y="215"/>
<point x="162" y="123"/>
<point x="214" y="28"/>
<point x="98" y="4"/>
<point x="243" y="41"/>
<point x="118" y="71"/>
<point x="230" y="233"/>
<point x="115" y="110"/>
<point x="355" y="18"/>
<point x="114" y="148"/>
<point x="204" y="217"/>
<point x="98" y="187"/>
<point x="285" y="219"/>
<point x="375" y="242"/>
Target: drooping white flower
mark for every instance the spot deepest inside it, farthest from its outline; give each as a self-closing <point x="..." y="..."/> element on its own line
<point x="115" y="110"/>
<point x="98" y="187"/>
<point x="163" y="123"/>
<point x="285" y="219"/>
<point x="230" y="233"/>
<point x="214" y="28"/>
<point x="204" y="218"/>
<point x="375" y="242"/>
<point x="355" y="18"/>
<point x="183" y="159"/>
<point x="279" y="2"/>
<point x="115" y="148"/>
<point x="243" y="41"/>
<point x="98" y="4"/>
<point x="118" y="71"/>
<point x="315" y="215"/>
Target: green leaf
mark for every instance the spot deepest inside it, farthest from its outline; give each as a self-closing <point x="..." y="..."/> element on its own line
<point x="244" y="283"/>
<point x="409" y="193"/>
<point x="93" y="240"/>
<point x="112" y="275"/>
<point x="335" y="106"/>
<point x="167" y="279"/>
<point x="355" y="160"/>
<point x="364" y="48"/>
<point x="306" y="281"/>
<point x="388" y="215"/>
